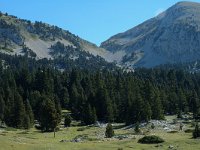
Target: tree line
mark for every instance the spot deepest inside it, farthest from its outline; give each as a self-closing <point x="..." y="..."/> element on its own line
<point x="40" y="92"/>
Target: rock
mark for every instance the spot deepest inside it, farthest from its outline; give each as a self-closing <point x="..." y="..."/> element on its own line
<point x="80" y="138"/>
<point x="64" y="141"/>
<point x="100" y="124"/>
<point x="121" y="137"/>
<point x="171" y="147"/>
<point x="77" y="140"/>
<point x="159" y="145"/>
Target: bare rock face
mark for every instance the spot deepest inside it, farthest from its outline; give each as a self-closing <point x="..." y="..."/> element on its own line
<point x="173" y="36"/>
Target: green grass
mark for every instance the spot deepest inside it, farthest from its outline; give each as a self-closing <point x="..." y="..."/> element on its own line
<point x="12" y="139"/>
<point x="35" y="140"/>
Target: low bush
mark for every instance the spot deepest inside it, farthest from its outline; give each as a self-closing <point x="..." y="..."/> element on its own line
<point x="196" y="132"/>
<point x="189" y="130"/>
<point x="152" y="139"/>
<point x="81" y="129"/>
<point x="173" y="131"/>
<point x="109" y="131"/>
<point x="10" y="129"/>
<point x="67" y="121"/>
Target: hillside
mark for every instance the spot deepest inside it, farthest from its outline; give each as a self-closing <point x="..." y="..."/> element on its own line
<point x="40" y="40"/>
<point x="171" y="37"/>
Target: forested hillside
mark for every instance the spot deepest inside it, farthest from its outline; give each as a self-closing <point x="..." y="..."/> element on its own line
<point x="34" y="90"/>
<point x="43" y="41"/>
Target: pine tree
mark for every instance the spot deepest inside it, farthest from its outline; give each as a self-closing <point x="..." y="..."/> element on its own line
<point x="67" y="121"/>
<point x="147" y="112"/>
<point x="195" y="104"/>
<point x="27" y="123"/>
<point x="109" y="131"/>
<point x="89" y="116"/>
<point x="58" y="108"/>
<point x="109" y="109"/>
<point x="19" y="112"/>
<point x="182" y="103"/>
<point x="74" y="101"/>
<point x="29" y="114"/>
<point x="35" y="100"/>
<point x="49" y="118"/>
<point x="137" y="128"/>
<point x="64" y="98"/>
<point x="196" y="132"/>
<point x="2" y="109"/>
<point x="9" y="109"/>
<point x="157" y="110"/>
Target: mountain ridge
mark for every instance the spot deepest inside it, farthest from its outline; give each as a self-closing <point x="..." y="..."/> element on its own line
<point x="40" y="40"/>
<point x="166" y="38"/>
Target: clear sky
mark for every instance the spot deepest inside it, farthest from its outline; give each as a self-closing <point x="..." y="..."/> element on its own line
<point x="93" y="20"/>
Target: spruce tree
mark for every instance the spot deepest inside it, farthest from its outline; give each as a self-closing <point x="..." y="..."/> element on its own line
<point x="29" y="113"/>
<point x="2" y="109"/>
<point x="68" y="120"/>
<point x="109" y="109"/>
<point x="137" y="128"/>
<point x="74" y="101"/>
<point x="89" y="116"/>
<point x="147" y="112"/>
<point x="18" y="112"/>
<point x="195" y="104"/>
<point x="49" y="118"/>
<point x="196" y="132"/>
<point x="157" y="110"/>
<point x="27" y="123"/>
<point x="109" y="131"/>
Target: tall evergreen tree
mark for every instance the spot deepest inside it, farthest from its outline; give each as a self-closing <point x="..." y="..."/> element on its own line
<point x="29" y="114"/>
<point x="18" y="113"/>
<point x="157" y="110"/>
<point x="89" y="116"/>
<point x="2" y="109"/>
<point x="49" y="118"/>
<point x="195" y="104"/>
<point x="67" y="121"/>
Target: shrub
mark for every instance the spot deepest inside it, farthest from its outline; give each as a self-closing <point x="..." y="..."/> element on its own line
<point x="152" y="126"/>
<point x="173" y="131"/>
<point x="150" y="140"/>
<point x="68" y="121"/>
<point x="81" y="129"/>
<point x="109" y="131"/>
<point x="137" y="128"/>
<point x="196" y="132"/>
<point x="38" y="127"/>
<point x="10" y="129"/>
<point x="189" y="130"/>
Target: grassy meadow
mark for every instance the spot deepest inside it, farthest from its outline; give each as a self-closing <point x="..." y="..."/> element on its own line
<point x="12" y="139"/>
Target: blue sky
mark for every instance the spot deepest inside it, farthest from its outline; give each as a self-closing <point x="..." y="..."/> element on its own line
<point x="93" y="20"/>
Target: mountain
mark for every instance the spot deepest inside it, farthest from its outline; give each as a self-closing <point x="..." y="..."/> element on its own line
<point x="171" y="37"/>
<point x="39" y="40"/>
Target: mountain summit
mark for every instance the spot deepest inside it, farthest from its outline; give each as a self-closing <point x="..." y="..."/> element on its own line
<point x="171" y="37"/>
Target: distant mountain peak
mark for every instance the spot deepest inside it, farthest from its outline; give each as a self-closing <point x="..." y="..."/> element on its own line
<point x="172" y="36"/>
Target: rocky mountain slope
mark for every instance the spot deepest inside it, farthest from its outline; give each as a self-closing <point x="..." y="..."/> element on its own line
<point x="40" y="40"/>
<point x="171" y="37"/>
